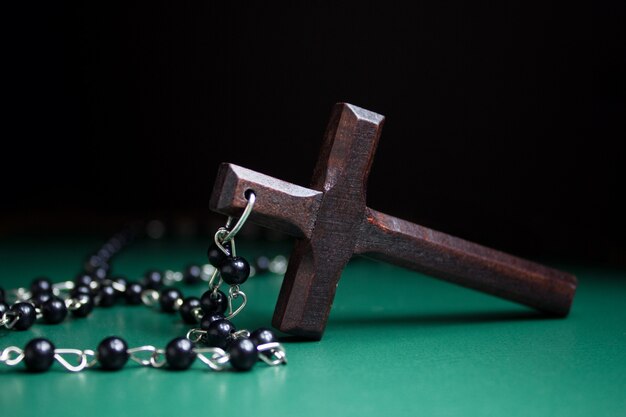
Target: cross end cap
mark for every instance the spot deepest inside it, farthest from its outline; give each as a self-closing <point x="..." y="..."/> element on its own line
<point x="285" y="326"/>
<point x="360" y="113"/>
<point x="227" y="195"/>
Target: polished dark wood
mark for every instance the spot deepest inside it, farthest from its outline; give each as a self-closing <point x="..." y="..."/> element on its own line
<point x="332" y="223"/>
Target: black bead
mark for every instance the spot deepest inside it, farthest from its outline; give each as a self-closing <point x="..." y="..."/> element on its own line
<point x="109" y="248"/>
<point x="214" y="302"/>
<point x="107" y="296"/>
<point x="116" y="244"/>
<point x="179" y="353"/>
<point x="83" y="280"/>
<point x="40" y="298"/>
<point x="169" y="298"/>
<point x="262" y="264"/>
<point x="153" y="280"/>
<point x="243" y="354"/>
<point x="80" y="289"/>
<point x="262" y="336"/>
<point x="193" y="274"/>
<point x="207" y="319"/>
<point x="105" y="253"/>
<point x="41" y="286"/>
<point x="128" y="234"/>
<point x="216" y="255"/>
<point x="186" y="309"/>
<point x="100" y="273"/>
<point x="235" y="270"/>
<point x="87" y="305"/>
<point x="38" y="355"/>
<point x="2" y="295"/>
<point x="4" y="307"/>
<point x="133" y="293"/>
<point x="113" y="353"/>
<point x="219" y="332"/>
<point x="93" y="262"/>
<point x="54" y="310"/>
<point x="27" y="315"/>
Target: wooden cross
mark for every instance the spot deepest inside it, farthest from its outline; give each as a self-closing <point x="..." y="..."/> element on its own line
<point x="332" y="223"/>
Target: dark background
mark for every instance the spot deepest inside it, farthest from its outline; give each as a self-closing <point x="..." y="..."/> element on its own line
<point x="505" y="120"/>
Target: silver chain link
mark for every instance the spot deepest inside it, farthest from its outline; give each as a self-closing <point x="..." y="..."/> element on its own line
<point x="233" y="293"/>
<point x="11" y="356"/>
<point x="216" y="359"/>
<point x="9" y="319"/>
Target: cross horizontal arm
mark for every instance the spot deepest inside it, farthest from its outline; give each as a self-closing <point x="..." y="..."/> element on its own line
<point x="468" y="264"/>
<point x="280" y="205"/>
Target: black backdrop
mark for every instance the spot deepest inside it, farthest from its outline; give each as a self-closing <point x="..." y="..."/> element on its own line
<point x="505" y="121"/>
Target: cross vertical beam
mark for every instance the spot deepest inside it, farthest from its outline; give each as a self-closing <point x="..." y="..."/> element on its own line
<point x="317" y="261"/>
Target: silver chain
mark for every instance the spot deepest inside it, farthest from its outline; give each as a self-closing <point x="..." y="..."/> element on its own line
<point x="76" y="360"/>
<point x="226" y="235"/>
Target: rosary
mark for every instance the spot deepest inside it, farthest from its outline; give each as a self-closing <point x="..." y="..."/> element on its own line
<point x="216" y="342"/>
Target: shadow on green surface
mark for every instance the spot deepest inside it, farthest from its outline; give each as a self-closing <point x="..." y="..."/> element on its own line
<point x="417" y="320"/>
<point x="442" y="318"/>
<point x="295" y="339"/>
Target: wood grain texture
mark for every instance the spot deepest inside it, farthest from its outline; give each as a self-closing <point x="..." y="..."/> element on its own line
<point x="280" y="205"/>
<point x="465" y="263"/>
<point x="316" y="263"/>
<point x="333" y="223"/>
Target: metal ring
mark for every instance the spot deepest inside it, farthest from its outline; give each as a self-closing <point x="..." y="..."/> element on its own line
<point x="251" y="197"/>
<point x="150" y="297"/>
<point x="77" y="302"/>
<point x="220" y="239"/>
<point x="157" y="359"/>
<point x="240" y="334"/>
<point x="219" y="236"/>
<point x="197" y="313"/>
<point x="195" y="335"/>
<point x="88" y="353"/>
<point x="8" y="322"/>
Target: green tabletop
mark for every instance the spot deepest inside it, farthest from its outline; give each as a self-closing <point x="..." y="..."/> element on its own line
<point x="398" y="343"/>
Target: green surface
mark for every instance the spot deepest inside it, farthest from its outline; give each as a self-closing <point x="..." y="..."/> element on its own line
<point x="398" y="343"/>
